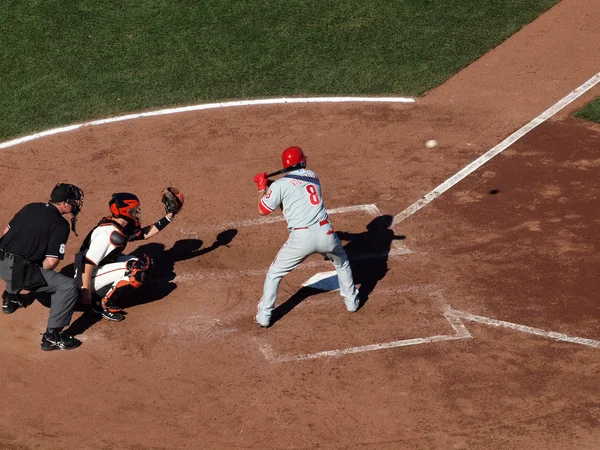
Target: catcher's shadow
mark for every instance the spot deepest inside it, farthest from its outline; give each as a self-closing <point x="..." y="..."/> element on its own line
<point x="159" y="281"/>
<point x="368" y="253"/>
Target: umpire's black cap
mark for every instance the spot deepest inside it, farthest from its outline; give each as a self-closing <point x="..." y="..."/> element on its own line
<point x="69" y="193"/>
<point x="63" y="192"/>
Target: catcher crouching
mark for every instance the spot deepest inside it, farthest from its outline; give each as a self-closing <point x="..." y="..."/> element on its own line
<point x="106" y="276"/>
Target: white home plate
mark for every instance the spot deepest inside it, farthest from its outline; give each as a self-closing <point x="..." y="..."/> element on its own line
<point x="324" y="281"/>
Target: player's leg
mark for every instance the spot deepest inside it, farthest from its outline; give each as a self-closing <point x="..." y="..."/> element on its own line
<point x="10" y="298"/>
<point x="114" y="282"/>
<point x="291" y="254"/>
<point x="331" y="247"/>
<point x="63" y="297"/>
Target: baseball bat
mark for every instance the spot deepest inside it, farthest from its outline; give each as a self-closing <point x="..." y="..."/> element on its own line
<point x="300" y="165"/>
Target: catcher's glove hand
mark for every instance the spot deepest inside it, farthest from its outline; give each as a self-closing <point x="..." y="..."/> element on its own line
<point x="172" y="198"/>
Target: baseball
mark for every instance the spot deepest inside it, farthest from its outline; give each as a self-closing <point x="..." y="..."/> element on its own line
<point x="431" y="143"/>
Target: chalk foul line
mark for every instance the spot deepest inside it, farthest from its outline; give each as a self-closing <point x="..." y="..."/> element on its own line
<point x="525" y="329"/>
<point x="435" y="193"/>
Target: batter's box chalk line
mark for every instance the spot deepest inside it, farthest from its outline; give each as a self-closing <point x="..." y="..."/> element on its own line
<point x="399" y="248"/>
<point x="460" y="332"/>
<point x="370" y="208"/>
<point x="455" y="319"/>
<point x="229" y="274"/>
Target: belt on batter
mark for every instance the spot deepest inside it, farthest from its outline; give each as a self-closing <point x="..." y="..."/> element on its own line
<point x="321" y="223"/>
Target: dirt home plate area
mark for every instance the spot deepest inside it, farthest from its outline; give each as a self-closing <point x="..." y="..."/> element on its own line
<point x="480" y="330"/>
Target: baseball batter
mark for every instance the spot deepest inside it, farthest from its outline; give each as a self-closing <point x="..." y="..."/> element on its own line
<point x="299" y="195"/>
<point x="101" y="269"/>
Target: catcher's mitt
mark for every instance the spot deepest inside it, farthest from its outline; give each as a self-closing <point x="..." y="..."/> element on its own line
<point x="172" y="198"/>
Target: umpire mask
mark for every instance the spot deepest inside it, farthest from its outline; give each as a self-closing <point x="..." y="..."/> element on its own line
<point x="68" y="193"/>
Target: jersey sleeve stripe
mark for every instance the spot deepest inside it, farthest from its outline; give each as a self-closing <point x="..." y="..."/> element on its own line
<point x="89" y="261"/>
<point x="264" y="207"/>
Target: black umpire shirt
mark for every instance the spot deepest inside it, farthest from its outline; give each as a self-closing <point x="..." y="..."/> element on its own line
<point x="37" y="231"/>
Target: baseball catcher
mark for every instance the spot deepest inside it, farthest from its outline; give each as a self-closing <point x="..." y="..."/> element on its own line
<point x="106" y="276"/>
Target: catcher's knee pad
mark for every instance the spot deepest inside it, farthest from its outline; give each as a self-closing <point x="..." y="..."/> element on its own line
<point x="137" y="268"/>
<point x="113" y="300"/>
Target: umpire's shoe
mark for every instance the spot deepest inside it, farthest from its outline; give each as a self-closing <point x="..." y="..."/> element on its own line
<point x="107" y="313"/>
<point x="54" y="339"/>
<point x="10" y="303"/>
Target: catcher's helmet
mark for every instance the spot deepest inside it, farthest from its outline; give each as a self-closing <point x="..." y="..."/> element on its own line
<point x="126" y="206"/>
<point x="68" y="193"/>
<point x="293" y="155"/>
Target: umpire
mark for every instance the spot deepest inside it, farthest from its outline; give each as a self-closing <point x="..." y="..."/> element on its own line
<point x="33" y="244"/>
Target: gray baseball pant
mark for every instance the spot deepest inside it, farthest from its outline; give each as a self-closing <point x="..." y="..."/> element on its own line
<point x="63" y="292"/>
<point x="302" y="243"/>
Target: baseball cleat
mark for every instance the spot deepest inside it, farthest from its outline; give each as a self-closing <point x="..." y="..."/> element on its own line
<point x="354" y="306"/>
<point x="256" y="321"/>
<point x="10" y="303"/>
<point x="107" y="314"/>
<point x="114" y="316"/>
<point x="58" y="341"/>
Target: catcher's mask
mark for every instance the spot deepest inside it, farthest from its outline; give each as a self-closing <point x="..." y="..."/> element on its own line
<point x="292" y="156"/>
<point x="126" y="206"/>
<point x="68" y="193"/>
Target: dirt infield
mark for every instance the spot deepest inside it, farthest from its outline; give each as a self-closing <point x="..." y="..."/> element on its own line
<point x="481" y="325"/>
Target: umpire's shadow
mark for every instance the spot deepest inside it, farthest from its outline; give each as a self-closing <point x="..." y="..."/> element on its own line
<point x="368" y="253"/>
<point x="159" y="280"/>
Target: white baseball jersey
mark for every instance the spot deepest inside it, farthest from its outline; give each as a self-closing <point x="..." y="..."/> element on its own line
<point x="108" y="240"/>
<point x="103" y="248"/>
<point x="300" y="194"/>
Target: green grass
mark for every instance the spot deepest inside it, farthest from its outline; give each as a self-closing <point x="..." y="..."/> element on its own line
<point x="590" y="112"/>
<point x="65" y="61"/>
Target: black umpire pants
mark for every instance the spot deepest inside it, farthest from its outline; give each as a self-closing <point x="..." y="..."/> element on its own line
<point x="63" y="292"/>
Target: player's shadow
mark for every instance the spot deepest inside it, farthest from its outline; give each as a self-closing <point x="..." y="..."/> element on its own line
<point x="368" y="253"/>
<point x="159" y="280"/>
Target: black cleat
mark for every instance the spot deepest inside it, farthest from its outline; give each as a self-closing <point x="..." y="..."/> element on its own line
<point x="10" y="303"/>
<point x="56" y="340"/>
<point x="106" y="313"/>
<point x="114" y="316"/>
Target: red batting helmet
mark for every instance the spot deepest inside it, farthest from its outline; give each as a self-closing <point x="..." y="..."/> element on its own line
<point x="293" y="155"/>
<point x="126" y="206"/>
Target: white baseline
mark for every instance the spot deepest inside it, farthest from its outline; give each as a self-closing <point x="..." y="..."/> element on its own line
<point x="183" y="109"/>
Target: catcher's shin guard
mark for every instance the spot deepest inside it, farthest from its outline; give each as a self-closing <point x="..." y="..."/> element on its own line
<point x="135" y="274"/>
<point x="119" y="291"/>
